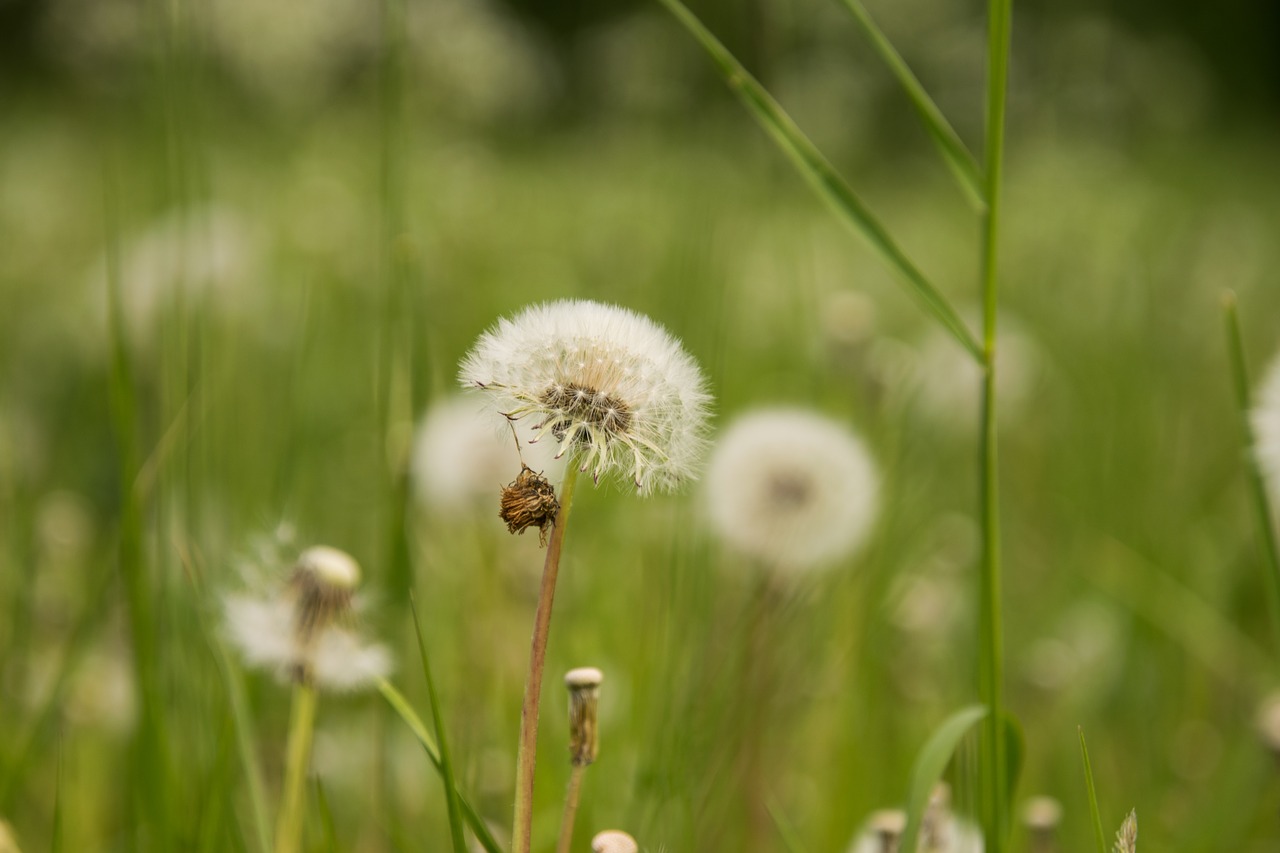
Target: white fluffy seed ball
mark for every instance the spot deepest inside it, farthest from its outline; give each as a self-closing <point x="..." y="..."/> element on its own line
<point x="792" y="488"/>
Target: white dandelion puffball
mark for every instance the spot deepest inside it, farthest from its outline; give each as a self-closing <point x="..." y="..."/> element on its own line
<point x="614" y="841"/>
<point x="462" y="457"/>
<point x="606" y="383"/>
<point x="791" y="487"/>
<point x="1266" y="429"/>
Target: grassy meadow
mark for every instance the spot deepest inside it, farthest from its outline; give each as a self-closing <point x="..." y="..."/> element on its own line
<point x="302" y="243"/>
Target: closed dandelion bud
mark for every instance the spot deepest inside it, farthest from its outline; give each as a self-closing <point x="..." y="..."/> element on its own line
<point x="614" y="841"/>
<point x="324" y="581"/>
<point x="584" y="693"/>
<point x="1042" y="815"/>
<point x="529" y="501"/>
<point x="1127" y="835"/>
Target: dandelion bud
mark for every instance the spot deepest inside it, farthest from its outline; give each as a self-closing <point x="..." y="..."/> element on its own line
<point x="529" y="501"/>
<point x="1042" y="815"/>
<point x="614" y="841"/>
<point x="887" y="827"/>
<point x="324" y="581"/>
<point x="584" y="693"/>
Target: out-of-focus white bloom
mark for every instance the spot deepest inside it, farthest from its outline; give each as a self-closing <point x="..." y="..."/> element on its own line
<point x="940" y="831"/>
<point x="604" y="382"/>
<point x="791" y="487"/>
<point x="949" y="381"/>
<point x="614" y="841"/>
<point x="303" y="632"/>
<point x="882" y="832"/>
<point x="460" y="460"/>
<point x="1266" y="429"/>
<point x="206" y="254"/>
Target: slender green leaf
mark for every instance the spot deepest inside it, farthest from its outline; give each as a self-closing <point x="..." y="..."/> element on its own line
<point x="822" y="175"/>
<point x="1093" y="795"/>
<point x="953" y="150"/>
<point x="326" y="818"/>
<point x="786" y="829"/>
<point x="402" y="707"/>
<point x="1257" y="487"/>
<point x="1015" y="748"/>
<point x="446" y="766"/>
<point x="932" y="761"/>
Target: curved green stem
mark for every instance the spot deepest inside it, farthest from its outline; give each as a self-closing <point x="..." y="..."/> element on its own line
<point x="527" y="751"/>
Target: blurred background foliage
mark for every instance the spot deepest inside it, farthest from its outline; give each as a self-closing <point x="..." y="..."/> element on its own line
<point x="316" y="207"/>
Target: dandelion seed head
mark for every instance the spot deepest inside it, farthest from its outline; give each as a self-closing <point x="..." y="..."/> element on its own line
<point x="614" y="841"/>
<point x="584" y="696"/>
<point x="1266" y="429"/>
<point x="791" y="487"/>
<point x="604" y="382"/>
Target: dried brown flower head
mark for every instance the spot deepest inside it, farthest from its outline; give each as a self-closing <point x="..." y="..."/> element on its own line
<point x="529" y="501"/>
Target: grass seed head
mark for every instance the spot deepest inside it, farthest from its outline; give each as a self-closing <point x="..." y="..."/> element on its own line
<point x="1127" y="835"/>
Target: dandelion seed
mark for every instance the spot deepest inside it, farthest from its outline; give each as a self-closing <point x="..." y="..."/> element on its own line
<point x="303" y="630"/>
<point x="614" y="841"/>
<point x="1266" y="429"/>
<point x="610" y="387"/>
<point x="1127" y="835"/>
<point x="792" y="488"/>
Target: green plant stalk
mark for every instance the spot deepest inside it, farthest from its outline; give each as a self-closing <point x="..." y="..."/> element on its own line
<point x="301" y="728"/>
<point x="245" y="746"/>
<point x="823" y="177"/>
<point x="933" y="759"/>
<point x="953" y="150"/>
<point x="570" y="808"/>
<point x="992" y="765"/>
<point x="446" y="765"/>
<point x="402" y="707"/>
<point x="1098" y="834"/>
<point x="527" y="750"/>
<point x="1257" y="486"/>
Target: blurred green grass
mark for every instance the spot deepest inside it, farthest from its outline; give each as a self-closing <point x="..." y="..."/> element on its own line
<point x="1134" y="593"/>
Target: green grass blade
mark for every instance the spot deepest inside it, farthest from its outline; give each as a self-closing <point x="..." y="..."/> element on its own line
<point x="950" y="146"/>
<point x="1257" y="487"/>
<point x="410" y="717"/>
<point x="446" y="766"/>
<point x="786" y="829"/>
<point x="934" y="757"/>
<point x="326" y="818"/>
<point x="244" y="733"/>
<point x="1093" y="795"/>
<point x="815" y="168"/>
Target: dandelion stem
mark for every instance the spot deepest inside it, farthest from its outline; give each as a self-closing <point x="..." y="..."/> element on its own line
<point x="570" y="808"/>
<point x="992" y="763"/>
<point x="527" y="751"/>
<point x="301" y="726"/>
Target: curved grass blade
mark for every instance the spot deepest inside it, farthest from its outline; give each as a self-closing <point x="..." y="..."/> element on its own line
<point x="815" y="168"/>
<point x="1093" y="795"/>
<point x="934" y="757"/>
<point x="445" y="765"/>
<point x="950" y="146"/>
<point x="1257" y="488"/>
<point x="402" y="707"/>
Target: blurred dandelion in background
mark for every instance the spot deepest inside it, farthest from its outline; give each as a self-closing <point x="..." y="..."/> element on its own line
<point x="791" y="488"/>
<point x="604" y="382"/>
<point x="1266" y="427"/>
<point x="303" y="630"/>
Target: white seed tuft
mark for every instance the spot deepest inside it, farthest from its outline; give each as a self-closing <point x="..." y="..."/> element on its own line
<point x="1266" y="429"/>
<point x="614" y="841"/>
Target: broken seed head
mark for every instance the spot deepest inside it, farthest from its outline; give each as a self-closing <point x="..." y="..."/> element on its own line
<point x="529" y="501"/>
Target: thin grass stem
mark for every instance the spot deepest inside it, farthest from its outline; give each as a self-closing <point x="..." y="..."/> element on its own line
<point x="993" y="770"/>
<point x="301" y="728"/>
<point x="1257" y="486"/>
<point x="527" y="750"/>
<point x="1099" y="838"/>
<point x="570" y="808"/>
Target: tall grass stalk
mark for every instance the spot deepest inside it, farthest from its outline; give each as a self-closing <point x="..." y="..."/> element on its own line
<point x="1257" y="486"/>
<point x="301" y="728"/>
<point x="527" y="749"/>
<point x="992" y="763"/>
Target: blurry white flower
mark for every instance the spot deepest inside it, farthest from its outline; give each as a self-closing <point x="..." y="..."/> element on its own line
<point x="614" y="841"/>
<point x="604" y="382"/>
<point x="1266" y="429"/>
<point x="940" y="830"/>
<point x="882" y="832"/>
<point x="303" y="631"/>
<point x="791" y="487"/>
<point x="949" y="381"/>
<point x="460" y="460"/>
